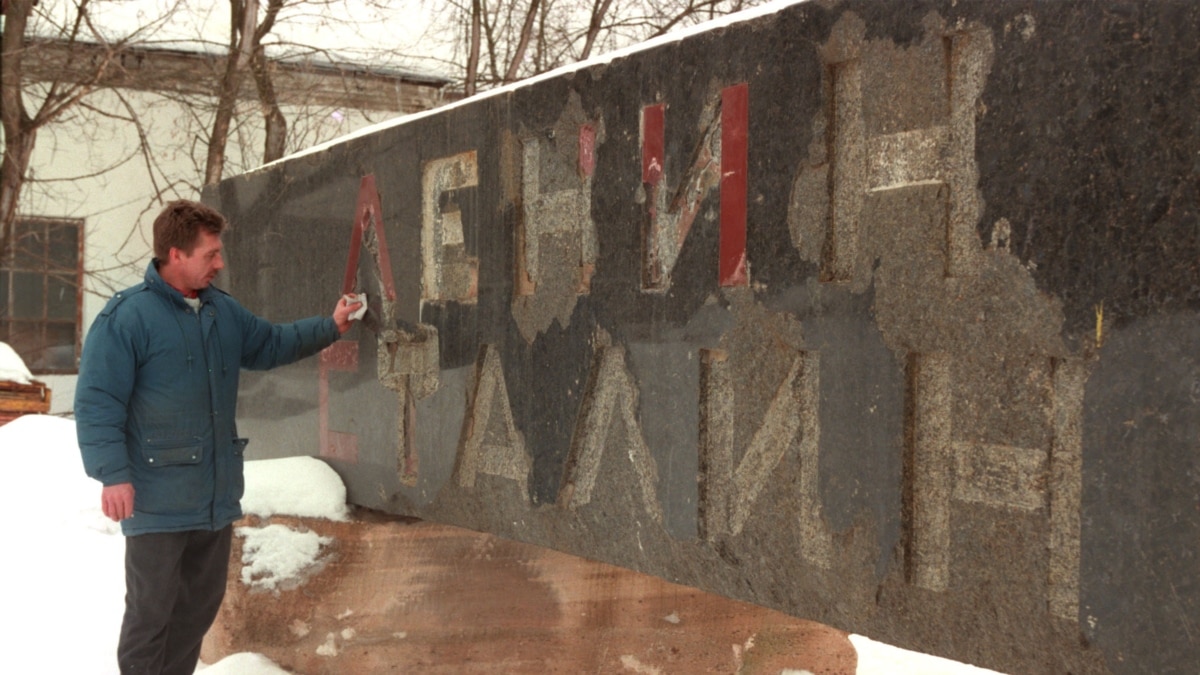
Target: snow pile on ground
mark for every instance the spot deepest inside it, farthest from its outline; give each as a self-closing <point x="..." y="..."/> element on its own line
<point x="295" y="486"/>
<point x="64" y="563"/>
<point x="63" y="586"/>
<point x="12" y="367"/>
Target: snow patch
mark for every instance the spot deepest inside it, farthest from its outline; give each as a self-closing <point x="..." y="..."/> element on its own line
<point x="277" y="554"/>
<point x="296" y="486"/>
<point x="12" y="367"/>
<point x="877" y="657"/>
<point x="329" y="648"/>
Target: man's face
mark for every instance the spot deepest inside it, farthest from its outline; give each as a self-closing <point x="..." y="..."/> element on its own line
<point x="195" y="271"/>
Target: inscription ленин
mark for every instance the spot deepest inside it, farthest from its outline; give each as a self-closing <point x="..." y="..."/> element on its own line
<point x="860" y="153"/>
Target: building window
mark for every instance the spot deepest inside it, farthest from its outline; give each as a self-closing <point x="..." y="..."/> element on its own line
<point x="41" y="294"/>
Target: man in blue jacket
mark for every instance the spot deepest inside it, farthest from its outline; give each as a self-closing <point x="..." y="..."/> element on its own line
<point x="154" y="407"/>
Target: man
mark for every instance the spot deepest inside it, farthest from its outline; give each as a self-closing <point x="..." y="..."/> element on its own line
<point x="154" y="407"/>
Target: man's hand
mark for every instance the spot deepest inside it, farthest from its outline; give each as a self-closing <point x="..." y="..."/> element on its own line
<point x="117" y="501"/>
<point x="342" y="312"/>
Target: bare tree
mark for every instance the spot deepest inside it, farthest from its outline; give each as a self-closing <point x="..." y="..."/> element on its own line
<point x="275" y="141"/>
<point x="25" y="112"/>
<point x="595" y="23"/>
<point x="218" y="107"/>
<point x="473" y="40"/>
<point x="523" y="37"/>
<point x="247" y="52"/>
<point x="495" y="43"/>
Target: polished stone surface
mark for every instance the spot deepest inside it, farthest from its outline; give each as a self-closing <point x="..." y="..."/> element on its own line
<point x="885" y="315"/>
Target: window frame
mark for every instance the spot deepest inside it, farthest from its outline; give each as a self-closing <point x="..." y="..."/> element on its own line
<point x="21" y="260"/>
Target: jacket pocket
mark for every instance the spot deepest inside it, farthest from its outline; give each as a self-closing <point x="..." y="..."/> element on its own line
<point x="172" y="480"/>
<point x="169" y="452"/>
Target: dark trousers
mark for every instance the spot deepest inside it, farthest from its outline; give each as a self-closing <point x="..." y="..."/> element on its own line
<point x="174" y="584"/>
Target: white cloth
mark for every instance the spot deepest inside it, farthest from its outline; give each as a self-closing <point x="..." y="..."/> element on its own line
<point x="352" y="298"/>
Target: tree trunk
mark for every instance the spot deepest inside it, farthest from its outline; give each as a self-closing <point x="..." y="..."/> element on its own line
<point x="241" y="51"/>
<point x="598" y="11"/>
<point x="473" y="55"/>
<point x="276" y="123"/>
<point x="526" y="31"/>
<point x="19" y="132"/>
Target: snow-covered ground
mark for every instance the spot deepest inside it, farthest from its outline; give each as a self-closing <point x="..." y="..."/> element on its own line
<point x="63" y="572"/>
<point x="62" y="582"/>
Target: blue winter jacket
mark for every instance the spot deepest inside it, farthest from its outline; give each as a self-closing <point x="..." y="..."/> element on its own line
<point x="157" y="392"/>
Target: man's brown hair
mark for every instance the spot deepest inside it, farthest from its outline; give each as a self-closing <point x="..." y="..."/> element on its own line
<point x="179" y="224"/>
